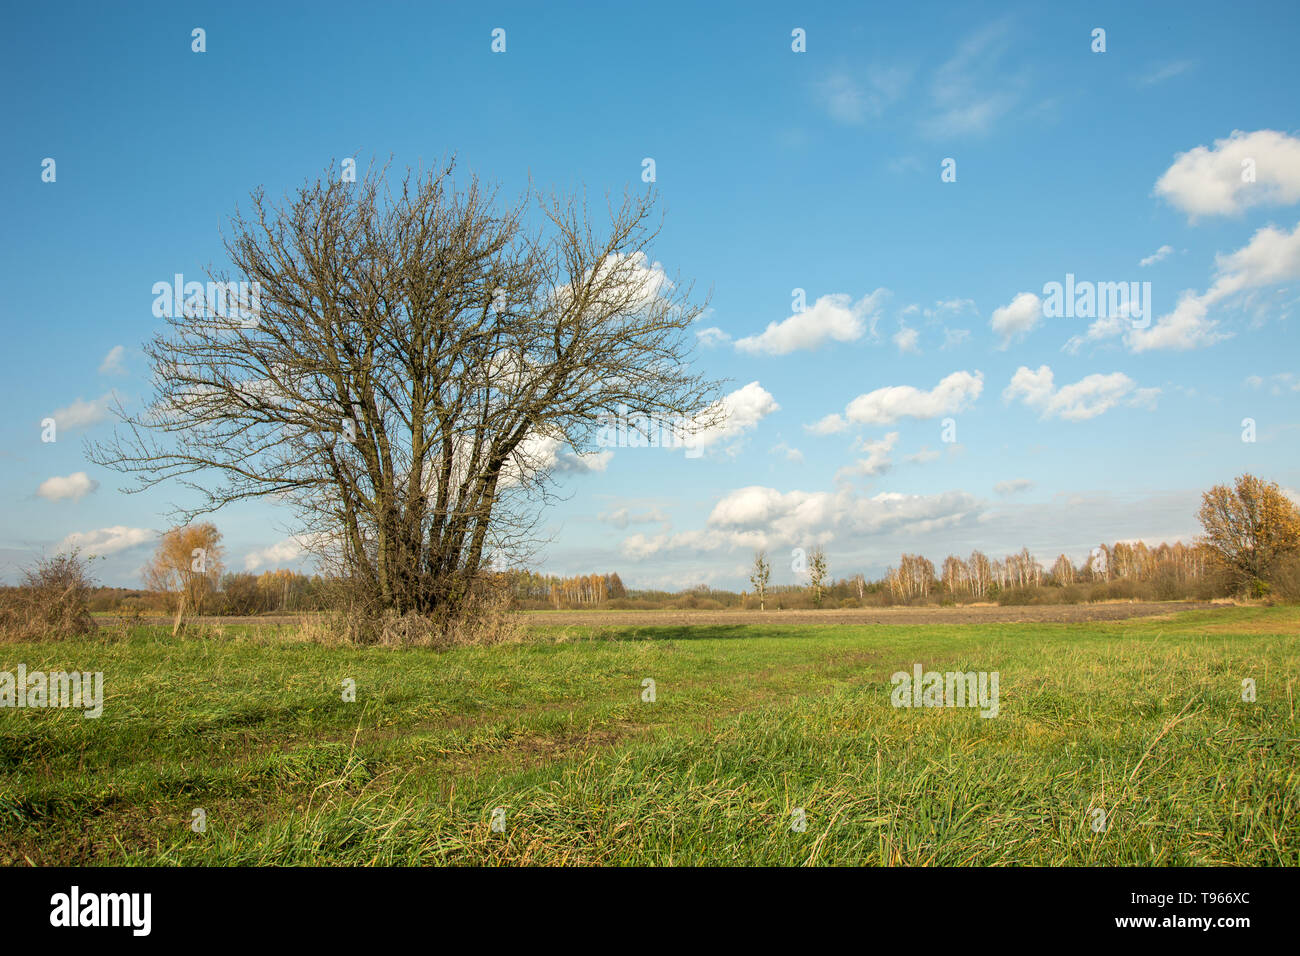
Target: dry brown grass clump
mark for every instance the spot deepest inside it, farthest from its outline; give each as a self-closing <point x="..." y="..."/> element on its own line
<point x="483" y="619"/>
<point x="51" y="603"/>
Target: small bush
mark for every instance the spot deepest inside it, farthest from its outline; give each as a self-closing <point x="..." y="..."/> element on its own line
<point x="632" y="604"/>
<point x="52" y="603"/>
<point x="1019" y="596"/>
<point x="1043" y="594"/>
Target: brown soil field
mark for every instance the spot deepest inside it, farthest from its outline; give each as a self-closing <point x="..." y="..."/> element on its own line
<point x="971" y="614"/>
<point x="977" y="614"/>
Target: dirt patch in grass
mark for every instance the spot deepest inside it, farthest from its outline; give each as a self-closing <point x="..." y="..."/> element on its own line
<point x="899" y="616"/>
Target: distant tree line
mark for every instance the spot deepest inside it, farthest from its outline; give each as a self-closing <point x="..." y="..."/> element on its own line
<point x="531" y="590"/>
<point x="1250" y="547"/>
<point x="239" y="594"/>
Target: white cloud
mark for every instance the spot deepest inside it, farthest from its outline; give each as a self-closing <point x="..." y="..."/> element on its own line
<point x="1087" y="398"/>
<point x="82" y="413"/>
<point x="884" y="406"/>
<point x="1271" y="256"/>
<point x="1209" y="181"/>
<point x="112" y="364"/>
<point x="760" y="517"/>
<point x="712" y="337"/>
<point x="1104" y="328"/>
<point x="830" y="425"/>
<point x="831" y="318"/>
<point x="541" y="453"/>
<point x="877" y="460"/>
<point x="75" y="486"/>
<point x="741" y="411"/>
<point x="282" y="552"/>
<point x="1161" y="253"/>
<point x="924" y="456"/>
<point x="644" y="280"/>
<point x="1018" y="318"/>
<point x="1187" y="327"/>
<point x="107" y="540"/>
<point x="905" y="339"/>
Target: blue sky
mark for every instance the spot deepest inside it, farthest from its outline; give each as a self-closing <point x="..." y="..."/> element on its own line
<point x="778" y="170"/>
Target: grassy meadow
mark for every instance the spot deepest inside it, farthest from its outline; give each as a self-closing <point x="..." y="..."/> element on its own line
<point x="1142" y="719"/>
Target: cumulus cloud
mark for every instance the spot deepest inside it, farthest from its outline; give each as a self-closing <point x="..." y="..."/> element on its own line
<point x="639" y="278"/>
<point x="74" y="486"/>
<point x="107" y="540"/>
<point x="884" y="406"/>
<point x="834" y="318"/>
<point x="282" y="552"/>
<point x="541" y="453"/>
<point x="761" y="517"/>
<point x="1018" y="318"/>
<point x="829" y="425"/>
<point x="1211" y="180"/>
<point x="1087" y="398"/>
<point x="112" y="363"/>
<point x="1272" y="256"/>
<point x="82" y="413"/>
<point x="740" y="412"/>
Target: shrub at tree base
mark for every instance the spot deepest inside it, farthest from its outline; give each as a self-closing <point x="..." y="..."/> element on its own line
<point x="483" y="618"/>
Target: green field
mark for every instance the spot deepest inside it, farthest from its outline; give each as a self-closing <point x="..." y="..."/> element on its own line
<point x="1142" y="719"/>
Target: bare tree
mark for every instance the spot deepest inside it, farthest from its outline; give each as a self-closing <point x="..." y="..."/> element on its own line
<point x="955" y="575"/>
<point x="980" y="572"/>
<point x="817" y="573"/>
<point x="419" y="358"/>
<point x="760" y="576"/>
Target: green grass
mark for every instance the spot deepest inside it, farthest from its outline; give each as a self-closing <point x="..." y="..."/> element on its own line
<point x="1141" y="718"/>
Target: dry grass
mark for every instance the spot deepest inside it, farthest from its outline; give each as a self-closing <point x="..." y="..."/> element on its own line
<point x="52" y="603"/>
<point x="484" y="619"/>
